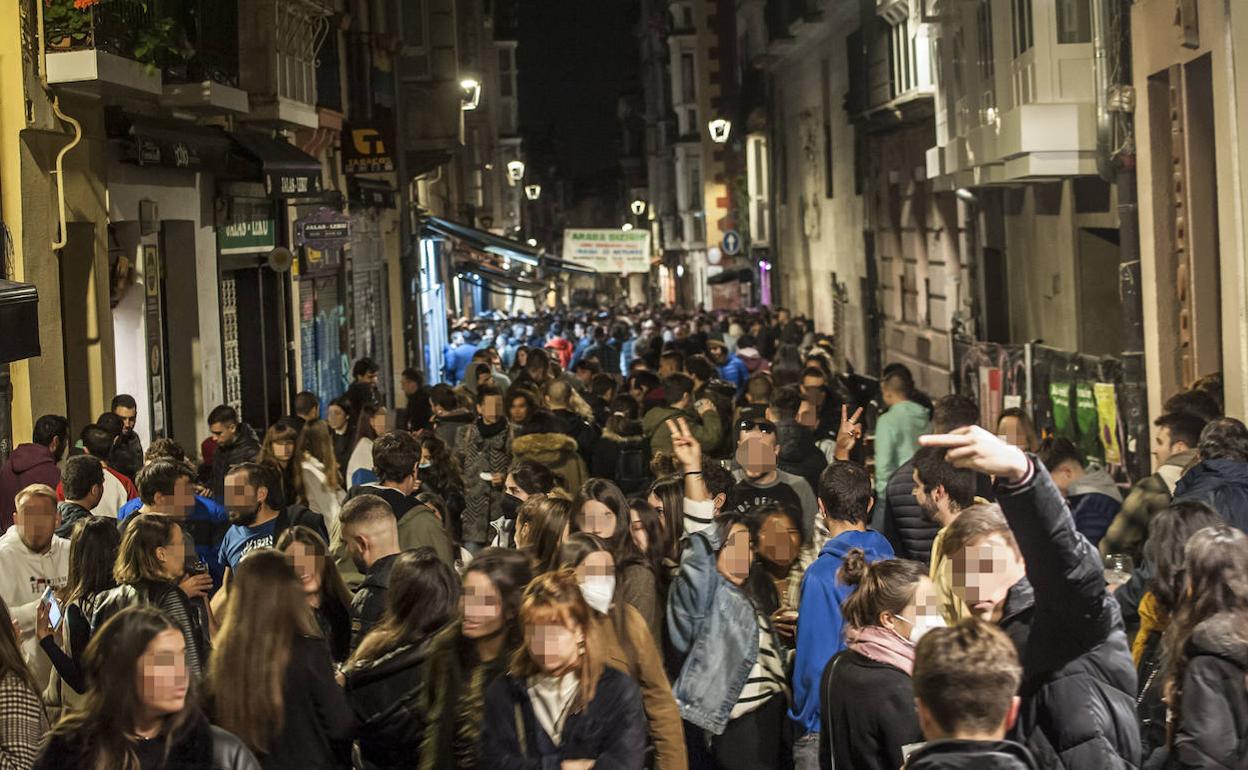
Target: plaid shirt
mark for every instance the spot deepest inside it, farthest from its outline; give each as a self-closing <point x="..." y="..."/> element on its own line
<point x="23" y="722"/>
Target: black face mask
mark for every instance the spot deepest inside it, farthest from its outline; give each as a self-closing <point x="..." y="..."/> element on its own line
<point x="511" y="504"/>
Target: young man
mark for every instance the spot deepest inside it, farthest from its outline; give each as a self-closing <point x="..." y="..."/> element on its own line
<point x="671" y="362"/>
<point x="707" y="385"/>
<point x="236" y="444"/>
<point x="449" y="415"/>
<point x="32" y="558"/>
<point x="371" y="535"/>
<point x="678" y="400"/>
<point x="307" y="407"/>
<point x="417" y="413"/>
<point x="965" y="679"/>
<point x="731" y="367"/>
<point x="33" y="463"/>
<point x="760" y="480"/>
<point x="118" y="489"/>
<point x="897" y="431"/>
<point x="1093" y="495"/>
<point x="845" y="507"/>
<point x="127" y="455"/>
<point x="942" y="491"/>
<point x="82" y="481"/>
<point x="1174" y="448"/>
<point x="799" y="454"/>
<point x="1022" y="565"/>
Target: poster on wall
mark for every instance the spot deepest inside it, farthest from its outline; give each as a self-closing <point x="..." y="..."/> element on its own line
<point x="1107" y="419"/>
<point x="1059" y="393"/>
<point x="608" y="251"/>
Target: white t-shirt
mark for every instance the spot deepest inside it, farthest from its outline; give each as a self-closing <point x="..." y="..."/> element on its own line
<point x="113" y="498"/>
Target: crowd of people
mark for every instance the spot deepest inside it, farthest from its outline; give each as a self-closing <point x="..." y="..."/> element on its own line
<point x="624" y="540"/>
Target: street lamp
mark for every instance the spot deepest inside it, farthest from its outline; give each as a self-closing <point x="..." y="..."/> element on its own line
<point x="471" y="96"/>
<point x="627" y="226"/>
<point x="515" y="170"/>
<point x="719" y="129"/>
<point x="638" y="207"/>
<point x="532" y="242"/>
<point x="532" y="191"/>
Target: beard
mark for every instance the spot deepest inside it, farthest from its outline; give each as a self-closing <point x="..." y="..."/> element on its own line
<point x="244" y="516"/>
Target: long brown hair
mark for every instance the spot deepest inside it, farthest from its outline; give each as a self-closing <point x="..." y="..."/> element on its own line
<point x="93" y="549"/>
<point x="265" y="611"/>
<point x="547" y="518"/>
<point x="112" y="703"/>
<point x="1215" y="560"/>
<point x="335" y="596"/>
<point x="422" y="597"/>
<point x="315" y="441"/>
<point x="556" y="597"/>
<point x="11" y="659"/>
<point x="136" y="559"/>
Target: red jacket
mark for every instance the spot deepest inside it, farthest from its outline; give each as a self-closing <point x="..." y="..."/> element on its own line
<point x="562" y="348"/>
<point x="28" y="464"/>
<point x="131" y="490"/>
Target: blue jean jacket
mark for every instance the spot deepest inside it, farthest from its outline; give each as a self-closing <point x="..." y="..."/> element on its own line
<point x="712" y="623"/>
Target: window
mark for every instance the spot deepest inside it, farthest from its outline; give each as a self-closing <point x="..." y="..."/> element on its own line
<point x="506" y="72"/>
<point x="693" y="183"/>
<point x="825" y="77"/>
<point x="1074" y="21"/>
<point x="1024" y="32"/>
<point x="758" y="169"/>
<point x="688" y="78"/>
<point x="987" y="65"/>
<point x="901" y="48"/>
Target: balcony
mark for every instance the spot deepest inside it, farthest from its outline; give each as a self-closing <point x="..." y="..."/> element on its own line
<point x="204" y="78"/>
<point x="106" y="47"/>
<point x="278" y="43"/>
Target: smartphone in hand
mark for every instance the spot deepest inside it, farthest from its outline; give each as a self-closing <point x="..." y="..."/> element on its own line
<point x="54" y="607"/>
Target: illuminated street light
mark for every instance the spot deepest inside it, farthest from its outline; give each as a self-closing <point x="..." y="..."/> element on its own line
<point x="627" y="226"/>
<point x="533" y="191"/>
<point x="638" y="207"/>
<point x="719" y="129"/>
<point x="515" y="170"/>
<point x="680" y="271"/>
<point x="471" y="96"/>
<point x="532" y="242"/>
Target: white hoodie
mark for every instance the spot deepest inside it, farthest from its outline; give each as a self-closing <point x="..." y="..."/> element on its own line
<point x="23" y="577"/>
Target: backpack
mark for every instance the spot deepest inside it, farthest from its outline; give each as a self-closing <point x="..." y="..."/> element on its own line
<point x="632" y="468"/>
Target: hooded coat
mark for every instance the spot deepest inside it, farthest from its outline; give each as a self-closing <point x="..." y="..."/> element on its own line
<point x="1212" y="728"/>
<point x="1095" y="501"/>
<point x="28" y="464"/>
<point x="1221" y="483"/>
<point x="557" y="452"/>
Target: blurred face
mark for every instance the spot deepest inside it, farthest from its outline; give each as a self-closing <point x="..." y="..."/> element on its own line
<point x="735" y="557"/>
<point x="491" y="409"/>
<point x="814" y="390"/>
<point x="369" y="377"/>
<point x="128" y="417"/>
<point x="283" y="449"/>
<point x="597" y="564"/>
<point x="519" y="410"/>
<point x="1162" y="448"/>
<point x="242" y="500"/>
<point x="307" y="565"/>
<point x="983" y="573"/>
<point x="920" y="615"/>
<point x="182" y="504"/>
<point x="756" y="453"/>
<point x="36" y="520"/>
<point x="554" y="647"/>
<point x="378" y="422"/>
<point x="483" y="607"/>
<point x="161" y="673"/>
<point x="596" y="519"/>
<point x="779" y="542"/>
<point x="172" y="555"/>
<point x="1010" y="429"/>
<point x="638" y="530"/>
<point x="336" y="416"/>
<point x="223" y="432"/>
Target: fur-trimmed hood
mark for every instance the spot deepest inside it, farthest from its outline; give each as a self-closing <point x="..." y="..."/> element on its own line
<point x="546" y="448"/>
<point x="1224" y="635"/>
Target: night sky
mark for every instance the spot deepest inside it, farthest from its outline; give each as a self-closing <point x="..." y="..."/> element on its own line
<point x="575" y="58"/>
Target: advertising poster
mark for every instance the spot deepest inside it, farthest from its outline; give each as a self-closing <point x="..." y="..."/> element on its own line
<point x="1088" y="421"/>
<point x="608" y="251"/>
<point x="1059" y="393"/>
<point x="1107" y="413"/>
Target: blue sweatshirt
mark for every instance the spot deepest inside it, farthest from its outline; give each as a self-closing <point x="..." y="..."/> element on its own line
<point x="819" y="632"/>
<point x="217" y="520"/>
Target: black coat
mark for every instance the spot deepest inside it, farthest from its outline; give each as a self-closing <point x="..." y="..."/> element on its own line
<point x="243" y="449"/>
<point x="971" y="755"/>
<point x="369" y="602"/>
<point x="610" y="730"/>
<point x="1076" y="652"/>
<point x="199" y="747"/>
<point x="126" y="456"/>
<point x="623" y="459"/>
<point x="318" y="725"/>
<point x="385" y="695"/>
<point x="865" y="733"/>
<point x="904" y="524"/>
<point x="1223" y="484"/>
<point x="578" y="428"/>
<point x="1212" y="727"/>
<point x="799" y="454"/>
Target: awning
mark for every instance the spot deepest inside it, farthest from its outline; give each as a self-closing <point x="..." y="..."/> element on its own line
<point x="288" y="171"/>
<point x="474" y="272"/>
<point x="147" y="141"/>
<point x="744" y="275"/>
<point x="563" y="264"/>
<point x="421" y="162"/>
<point x="484" y="241"/>
<point x="371" y="193"/>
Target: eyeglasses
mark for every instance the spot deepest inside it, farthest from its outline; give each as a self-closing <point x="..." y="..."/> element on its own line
<point x="762" y="426"/>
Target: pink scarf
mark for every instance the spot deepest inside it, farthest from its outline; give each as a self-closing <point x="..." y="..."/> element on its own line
<point x="881" y="645"/>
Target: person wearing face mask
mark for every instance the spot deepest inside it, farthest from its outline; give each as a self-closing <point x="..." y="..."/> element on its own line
<point x="732" y="687"/>
<point x="484" y="453"/>
<point x="560" y="705"/>
<point x="890" y="610"/>
<point x="627" y="644"/>
<point x="525" y="479"/>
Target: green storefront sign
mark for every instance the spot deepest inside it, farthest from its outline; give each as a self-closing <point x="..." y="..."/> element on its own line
<point x="251" y="233"/>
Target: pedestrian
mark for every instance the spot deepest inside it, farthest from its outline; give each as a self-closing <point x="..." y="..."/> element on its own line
<point x="23" y="720"/>
<point x="890" y="610"/>
<point x="33" y="463"/>
<point x="450" y="413"/>
<point x="1220" y="475"/>
<point x="307" y="408"/>
<point x="559" y="702"/>
<point x="543" y="523"/>
<point x="467" y="656"/>
<point x="542" y="440"/>
<point x="620" y="453"/>
<point x="82" y="482"/>
<point x="318" y="484"/>
<point x="118" y="489"/>
<point x="1093" y="494"/>
<point x="341" y="420"/>
<point x="371" y="535"/>
<point x="484" y="453"/>
<point x="760" y="479"/>
<point x="326" y="594"/>
<point x="521" y="404"/>
<point x="155" y="726"/>
<point x="942" y="492"/>
<point x="254" y="521"/>
<point x="731" y="367"/>
<point x="151" y="570"/>
<point x="798" y="454"/>
<point x="418" y="411"/>
<point x="236" y="443"/>
<point x="732" y="685"/>
<point x="897" y="430"/>
<point x="678" y="401"/>
<point x="385" y="676"/>
<point x="1016" y="428"/>
<point x="439" y="471"/>
<point x="783" y="558"/>
<point x="372" y="423"/>
<point x="277" y="452"/>
<point x="271" y="679"/>
<point x="127" y="454"/>
<point x="524" y="479"/>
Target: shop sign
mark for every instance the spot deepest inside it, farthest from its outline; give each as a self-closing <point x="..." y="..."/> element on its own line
<point x="608" y="251"/>
<point x="291" y="184"/>
<point x="325" y="230"/>
<point x="367" y="149"/>
<point x="253" y="234"/>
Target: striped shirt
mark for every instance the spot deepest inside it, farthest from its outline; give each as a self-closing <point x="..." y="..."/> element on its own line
<point x="767" y="676"/>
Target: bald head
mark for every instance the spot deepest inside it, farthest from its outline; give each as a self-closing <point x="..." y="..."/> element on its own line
<point x="558" y="392"/>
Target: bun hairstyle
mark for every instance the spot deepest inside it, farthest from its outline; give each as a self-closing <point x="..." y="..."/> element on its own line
<point x="885" y="586"/>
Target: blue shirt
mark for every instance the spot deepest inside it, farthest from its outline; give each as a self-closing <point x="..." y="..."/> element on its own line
<point x="207" y="523"/>
<point x="240" y="540"/>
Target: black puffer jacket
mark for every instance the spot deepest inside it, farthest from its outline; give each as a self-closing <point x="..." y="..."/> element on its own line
<point x="385" y="695"/>
<point x="1079" y="683"/>
<point x="1212" y="728"/>
<point x="904" y="524"/>
<point x="799" y="454"/>
<point x="971" y="755"/>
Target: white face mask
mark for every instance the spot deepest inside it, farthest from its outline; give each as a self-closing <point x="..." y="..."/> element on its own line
<point x="425" y="465"/>
<point x="598" y="591"/>
<point x="921" y="625"/>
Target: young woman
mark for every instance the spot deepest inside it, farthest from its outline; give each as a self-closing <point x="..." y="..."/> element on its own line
<point x="601" y="509"/>
<point x="1206" y="647"/>
<point x="23" y="721"/>
<point x="372" y="423"/>
<point x="521" y="404"/>
<point x="271" y="679"/>
<point x="783" y="557"/>
<point x="484" y="452"/>
<point x="92" y="553"/>
<point x="440" y="473"/>
<point x="326" y="594"/>
<point x="893" y="606"/>
<point x="150" y="563"/>
<point x="465" y="657"/>
<point x="667" y="495"/>
<point x="341" y="423"/>
<point x="646" y="527"/>
<point x="627" y="644"/>
<point x="141" y="712"/>
<point x="733" y="682"/>
<point x="385" y="676"/>
<point x="525" y="478"/>
<point x="560" y="705"/>
<point x="542" y="524"/>
<point x="276" y="452"/>
<point x="318" y="483"/>
<point x="1016" y="427"/>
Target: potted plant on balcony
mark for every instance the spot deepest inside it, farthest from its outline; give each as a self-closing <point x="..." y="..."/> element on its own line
<point x="67" y="23"/>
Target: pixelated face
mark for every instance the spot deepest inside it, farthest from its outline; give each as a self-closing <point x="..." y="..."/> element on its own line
<point x="596" y="519"/>
<point x="637" y="529"/>
<point x="242" y="501"/>
<point x="1010" y="429"/>
<point x="336" y="416"/>
<point x="553" y="646"/>
<point x="183" y="498"/>
<point x="284" y="449"/>
<point x="983" y="573"/>
<point x="814" y="390"/>
<point x="483" y="607"/>
<point x="756" y="453"/>
<point x="307" y="565"/>
<point x="172" y="555"/>
<point x="128" y="417"/>
<point x="597" y="564"/>
<point x="735" y="557"/>
<point x="519" y="410"/>
<point x="161" y="672"/>
<point x="491" y="409"/>
<point x="920" y="615"/>
<point x="223" y="432"/>
<point x="779" y="542"/>
<point x="36" y="521"/>
<point x="378" y="422"/>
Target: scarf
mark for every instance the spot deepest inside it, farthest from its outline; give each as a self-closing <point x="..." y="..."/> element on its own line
<point x="881" y="645"/>
<point x="490" y="431"/>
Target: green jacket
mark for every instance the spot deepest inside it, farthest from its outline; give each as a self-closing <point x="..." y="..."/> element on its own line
<point x="897" y="434"/>
<point x="705" y="428"/>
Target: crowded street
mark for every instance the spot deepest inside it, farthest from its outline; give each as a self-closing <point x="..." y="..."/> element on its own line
<point x="623" y="385"/>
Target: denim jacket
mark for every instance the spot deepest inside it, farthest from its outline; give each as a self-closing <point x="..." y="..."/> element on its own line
<point x="712" y="623"/>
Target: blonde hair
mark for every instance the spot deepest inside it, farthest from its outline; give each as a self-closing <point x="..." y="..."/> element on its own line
<point x="35" y="490"/>
<point x="556" y="597"/>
